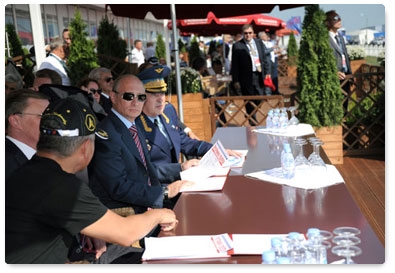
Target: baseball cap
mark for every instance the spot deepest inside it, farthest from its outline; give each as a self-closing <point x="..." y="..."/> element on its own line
<point x="70" y="118"/>
<point x="269" y="83"/>
<point x="153" y="78"/>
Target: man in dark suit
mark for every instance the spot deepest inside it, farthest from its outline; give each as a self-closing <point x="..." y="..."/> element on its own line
<point x="105" y="79"/>
<point x="23" y="109"/>
<point x="336" y="42"/>
<point x="121" y="173"/>
<point x="249" y="67"/>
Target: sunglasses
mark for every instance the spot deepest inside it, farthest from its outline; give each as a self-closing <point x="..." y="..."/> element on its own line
<point x="336" y="18"/>
<point x="109" y="79"/>
<point x="246" y="33"/>
<point x="95" y="90"/>
<point x="130" y="96"/>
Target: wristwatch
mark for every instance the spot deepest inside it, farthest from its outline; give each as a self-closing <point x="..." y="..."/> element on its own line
<point x="165" y="193"/>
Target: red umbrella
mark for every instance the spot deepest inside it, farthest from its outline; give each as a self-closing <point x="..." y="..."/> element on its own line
<point x="185" y="11"/>
<point x="212" y="25"/>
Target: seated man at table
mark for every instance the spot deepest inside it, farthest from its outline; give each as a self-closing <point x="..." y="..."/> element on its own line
<point x="46" y="204"/>
<point x="165" y="139"/>
<point x="121" y="173"/>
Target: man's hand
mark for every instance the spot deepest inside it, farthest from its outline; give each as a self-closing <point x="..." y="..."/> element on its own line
<point x="190" y="163"/>
<point x="237" y="86"/>
<point x="97" y="244"/>
<point x="175" y="187"/>
<point x="168" y="221"/>
<point x="234" y="153"/>
<point x="341" y="75"/>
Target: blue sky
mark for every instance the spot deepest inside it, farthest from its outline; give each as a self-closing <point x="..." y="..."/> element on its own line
<point x="354" y="16"/>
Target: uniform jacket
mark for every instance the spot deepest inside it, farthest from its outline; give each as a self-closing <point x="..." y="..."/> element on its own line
<point x="158" y="146"/>
<point x="242" y="65"/>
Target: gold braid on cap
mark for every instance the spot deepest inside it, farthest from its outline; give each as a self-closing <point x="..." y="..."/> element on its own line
<point x="144" y="122"/>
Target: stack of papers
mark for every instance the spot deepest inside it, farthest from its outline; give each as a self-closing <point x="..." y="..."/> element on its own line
<point x="306" y="180"/>
<point x="301" y="129"/>
<point x="211" y="173"/>
<point x="206" y="246"/>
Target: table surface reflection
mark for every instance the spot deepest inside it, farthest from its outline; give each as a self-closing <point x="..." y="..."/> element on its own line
<point x="250" y="206"/>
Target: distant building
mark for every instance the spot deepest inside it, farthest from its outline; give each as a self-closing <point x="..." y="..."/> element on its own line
<point x="55" y="18"/>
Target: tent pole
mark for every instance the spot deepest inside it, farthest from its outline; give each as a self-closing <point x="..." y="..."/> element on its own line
<point x="177" y="63"/>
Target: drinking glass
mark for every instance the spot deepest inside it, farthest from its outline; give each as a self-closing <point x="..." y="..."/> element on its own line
<point x="317" y="164"/>
<point x="347" y="252"/>
<point x="346" y="241"/>
<point x="293" y="120"/>
<point x="302" y="165"/>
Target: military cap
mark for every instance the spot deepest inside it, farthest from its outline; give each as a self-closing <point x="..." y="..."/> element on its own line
<point x="153" y="78"/>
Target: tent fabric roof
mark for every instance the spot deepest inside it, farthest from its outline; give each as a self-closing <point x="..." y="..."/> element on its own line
<point x="185" y="11"/>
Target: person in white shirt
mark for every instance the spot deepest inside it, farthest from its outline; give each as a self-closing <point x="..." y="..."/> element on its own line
<point x="138" y="53"/>
<point x="56" y="59"/>
<point x="23" y="109"/>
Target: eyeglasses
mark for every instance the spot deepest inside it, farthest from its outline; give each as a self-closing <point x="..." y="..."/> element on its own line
<point x="336" y="18"/>
<point x="130" y="96"/>
<point x="29" y="114"/>
<point x="247" y="33"/>
<point x="95" y="90"/>
<point x="109" y="79"/>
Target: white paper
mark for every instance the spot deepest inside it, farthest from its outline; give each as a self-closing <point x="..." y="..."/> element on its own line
<point x="215" y="183"/>
<point x="307" y="180"/>
<point x="183" y="247"/>
<point x="301" y="129"/>
<point x="252" y="244"/>
<point x="210" y="165"/>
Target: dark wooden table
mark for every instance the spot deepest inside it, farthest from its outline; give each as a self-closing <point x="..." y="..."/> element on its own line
<point x="249" y="206"/>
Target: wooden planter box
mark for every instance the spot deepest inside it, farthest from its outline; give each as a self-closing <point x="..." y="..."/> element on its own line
<point x="196" y="114"/>
<point x="333" y="142"/>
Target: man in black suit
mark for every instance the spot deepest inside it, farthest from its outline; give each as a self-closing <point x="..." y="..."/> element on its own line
<point x="23" y="109"/>
<point x="336" y="42"/>
<point x="105" y="79"/>
<point x="249" y="67"/>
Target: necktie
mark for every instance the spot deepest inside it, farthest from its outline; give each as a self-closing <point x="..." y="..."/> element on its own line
<point x="136" y="139"/>
<point x="338" y="42"/>
<point x="255" y="57"/>
<point x="162" y="130"/>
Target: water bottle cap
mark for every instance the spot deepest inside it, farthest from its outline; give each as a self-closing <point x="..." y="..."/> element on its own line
<point x="287" y="147"/>
<point x="275" y="241"/>
<point x="313" y="232"/>
<point x="268" y="256"/>
<point x="294" y="235"/>
<point x="283" y="260"/>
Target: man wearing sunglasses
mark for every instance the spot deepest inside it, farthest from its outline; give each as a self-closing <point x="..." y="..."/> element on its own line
<point x="250" y="67"/>
<point x="336" y="42"/>
<point x="121" y="173"/>
<point x="105" y="79"/>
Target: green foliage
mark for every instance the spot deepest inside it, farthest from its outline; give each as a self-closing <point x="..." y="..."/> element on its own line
<point x="190" y="81"/>
<point x="371" y="108"/>
<point x="16" y="49"/>
<point x="194" y="51"/>
<point x="181" y="46"/>
<point x="109" y="44"/>
<point x="160" y="49"/>
<point x="14" y="41"/>
<point x="82" y="58"/>
<point x="292" y="50"/>
<point x="318" y="87"/>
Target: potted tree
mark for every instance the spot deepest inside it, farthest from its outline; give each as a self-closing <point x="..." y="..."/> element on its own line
<point x="318" y="88"/>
